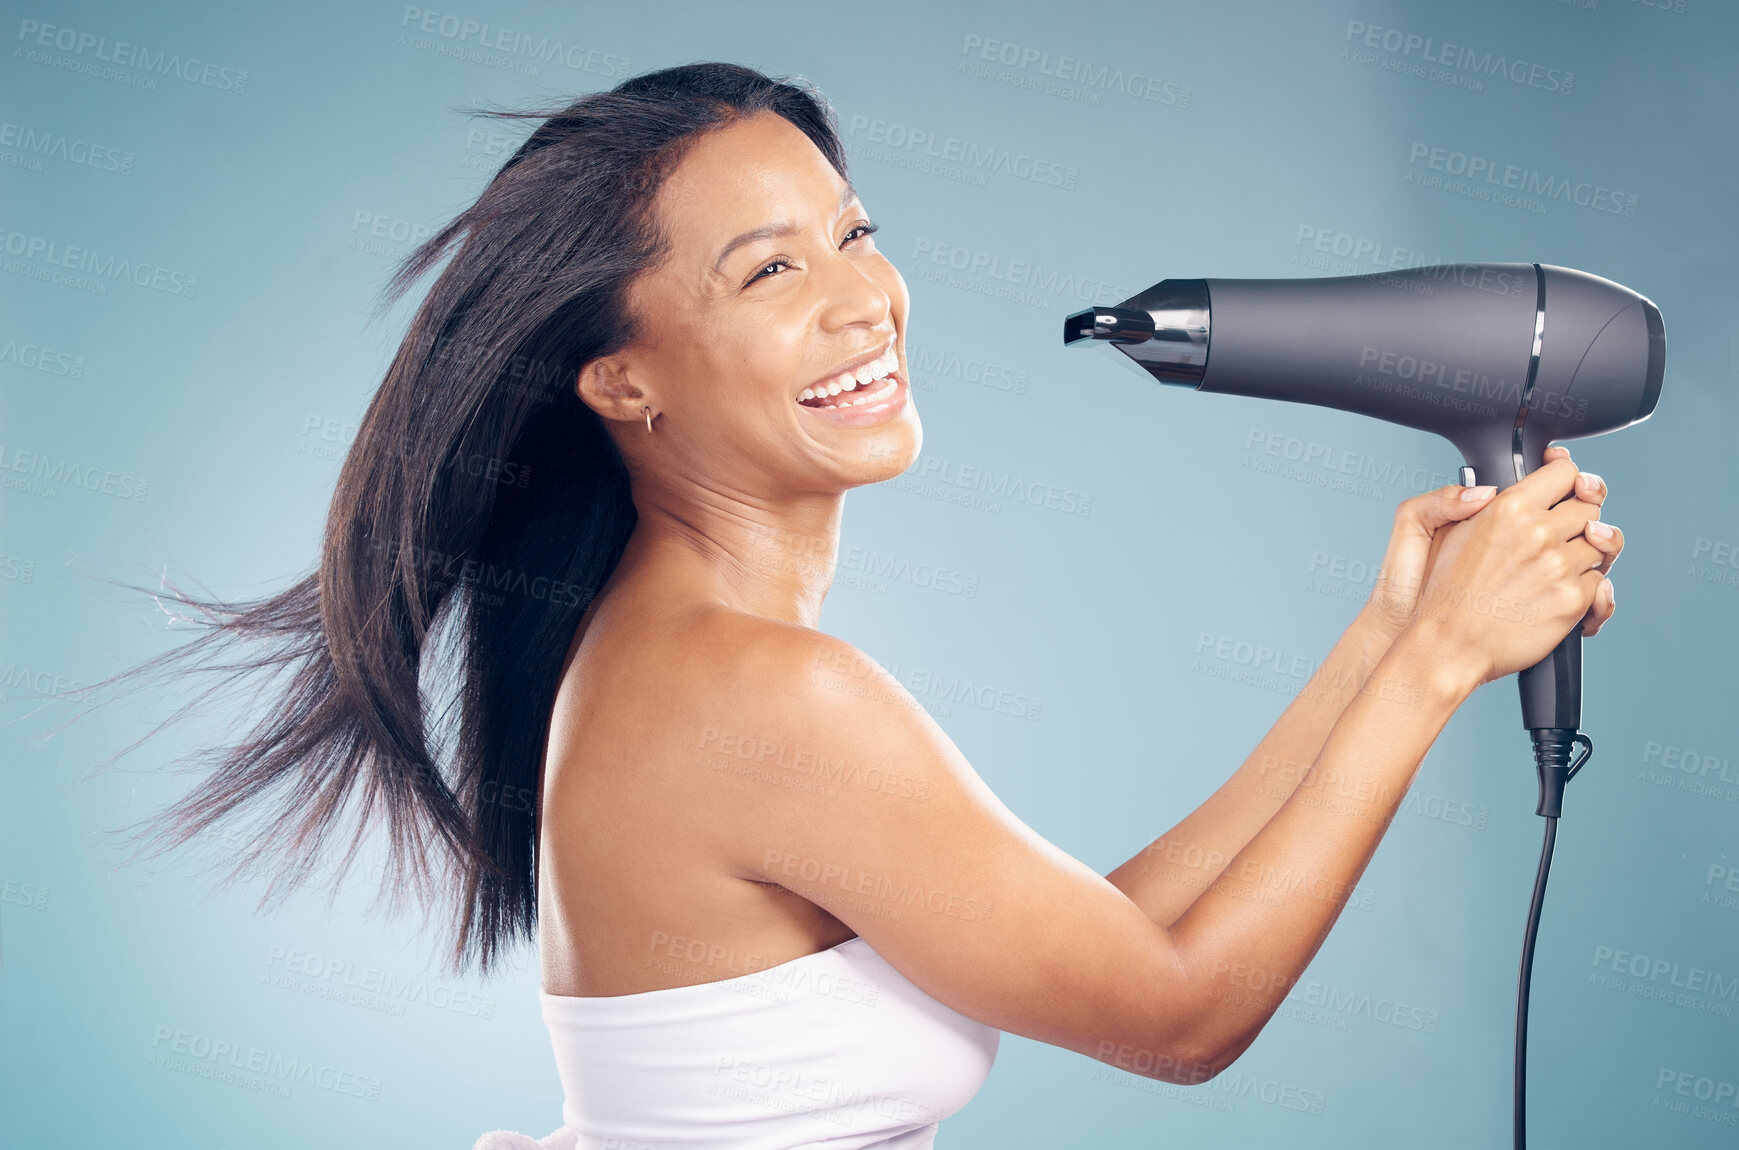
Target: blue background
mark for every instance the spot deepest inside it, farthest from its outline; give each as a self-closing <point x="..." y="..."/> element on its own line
<point x="1274" y="141"/>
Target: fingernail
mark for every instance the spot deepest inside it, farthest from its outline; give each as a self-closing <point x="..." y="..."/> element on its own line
<point x="1599" y="530"/>
<point x="1611" y="594"/>
<point x="1472" y="493"/>
<point x="1594" y="481"/>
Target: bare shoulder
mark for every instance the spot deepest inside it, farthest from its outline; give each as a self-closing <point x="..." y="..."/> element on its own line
<point x="818" y="719"/>
<point x="826" y="777"/>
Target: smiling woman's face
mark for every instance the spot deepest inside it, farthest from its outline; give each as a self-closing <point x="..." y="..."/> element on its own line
<point x="771" y="296"/>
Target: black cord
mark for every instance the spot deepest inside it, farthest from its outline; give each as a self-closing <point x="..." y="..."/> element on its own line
<point x="1526" y="978"/>
<point x="1551" y="759"/>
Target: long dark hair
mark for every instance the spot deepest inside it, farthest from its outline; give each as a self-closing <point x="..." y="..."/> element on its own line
<point x="480" y="508"/>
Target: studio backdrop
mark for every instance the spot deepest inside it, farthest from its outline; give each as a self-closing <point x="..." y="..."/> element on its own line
<point x="1103" y="589"/>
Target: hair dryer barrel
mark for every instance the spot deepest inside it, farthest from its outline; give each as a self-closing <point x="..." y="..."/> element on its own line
<point x="1500" y="359"/>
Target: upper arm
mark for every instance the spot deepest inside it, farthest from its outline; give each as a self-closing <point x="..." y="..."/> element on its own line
<point x="849" y="794"/>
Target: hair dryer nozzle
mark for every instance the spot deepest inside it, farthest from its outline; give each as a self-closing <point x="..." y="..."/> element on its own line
<point x="1119" y="324"/>
<point x="1163" y="329"/>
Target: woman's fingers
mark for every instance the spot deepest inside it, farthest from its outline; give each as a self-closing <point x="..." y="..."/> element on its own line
<point x="1601" y="611"/>
<point x="1607" y="539"/>
<point x="1584" y="506"/>
<point x="1604" y="537"/>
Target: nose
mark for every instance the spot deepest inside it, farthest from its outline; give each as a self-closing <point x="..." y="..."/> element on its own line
<point x="853" y="297"/>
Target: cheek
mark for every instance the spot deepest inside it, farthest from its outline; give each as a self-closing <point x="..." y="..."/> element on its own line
<point x="759" y="371"/>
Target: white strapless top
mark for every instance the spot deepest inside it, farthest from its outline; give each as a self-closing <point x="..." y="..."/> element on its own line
<point x="833" y="1049"/>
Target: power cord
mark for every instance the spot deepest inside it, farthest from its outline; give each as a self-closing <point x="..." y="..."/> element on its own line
<point x="1552" y="762"/>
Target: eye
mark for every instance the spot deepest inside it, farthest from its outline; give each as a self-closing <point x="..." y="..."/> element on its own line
<point x="767" y="268"/>
<point x="860" y="230"/>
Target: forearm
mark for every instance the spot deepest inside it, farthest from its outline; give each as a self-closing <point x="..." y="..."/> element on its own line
<point x="1171" y="872"/>
<point x="1246" y="940"/>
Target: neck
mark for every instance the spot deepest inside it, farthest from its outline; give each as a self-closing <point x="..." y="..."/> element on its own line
<point x="774" y="559"/>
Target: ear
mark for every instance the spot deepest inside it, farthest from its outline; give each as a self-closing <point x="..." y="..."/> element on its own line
<point x="609" y="387"/>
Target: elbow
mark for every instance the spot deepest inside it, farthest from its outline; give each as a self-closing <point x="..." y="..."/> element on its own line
<point x="1213" y="1062"/>
<point x="1181" y="1059"/>
<point x="1175" y="1061"/>
<point x="1202" y="1064"/>
<point x="1187" y="1037"/>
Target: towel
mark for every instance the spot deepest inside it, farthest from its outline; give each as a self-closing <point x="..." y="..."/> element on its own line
<point x="563" y="1139"/>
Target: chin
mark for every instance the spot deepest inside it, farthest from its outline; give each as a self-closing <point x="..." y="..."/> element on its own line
<point x="890" y="453"/>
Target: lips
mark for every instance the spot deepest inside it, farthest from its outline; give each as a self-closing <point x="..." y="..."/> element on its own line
<point x="878" y="403"/>
<point x="862" y="386"/>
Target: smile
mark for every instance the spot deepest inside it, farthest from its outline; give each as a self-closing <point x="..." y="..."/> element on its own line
<point x="872" y="383"/>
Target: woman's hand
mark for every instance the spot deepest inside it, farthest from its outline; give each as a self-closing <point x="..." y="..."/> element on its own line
<point x="1407" y="562"/>
<point x="1417" y="532"/>
<point x="1503" y="588"/>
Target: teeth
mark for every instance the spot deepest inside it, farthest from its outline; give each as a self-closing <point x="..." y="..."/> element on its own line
<point x="877" y="370"/>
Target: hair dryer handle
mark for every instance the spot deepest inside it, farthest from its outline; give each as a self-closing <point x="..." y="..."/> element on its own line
<point x="1551" y="689"/>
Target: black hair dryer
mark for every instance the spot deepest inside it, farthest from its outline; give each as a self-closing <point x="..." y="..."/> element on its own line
<point x="1500" y="359"/>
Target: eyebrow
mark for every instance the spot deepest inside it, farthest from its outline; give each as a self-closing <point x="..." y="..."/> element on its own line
<point x="768" y="231"/>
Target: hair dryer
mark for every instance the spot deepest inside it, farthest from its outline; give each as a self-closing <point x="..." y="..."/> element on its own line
<point x="1500" y="359"/>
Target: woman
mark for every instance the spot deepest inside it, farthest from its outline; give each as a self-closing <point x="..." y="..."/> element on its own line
<point x="774" y="903"/>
